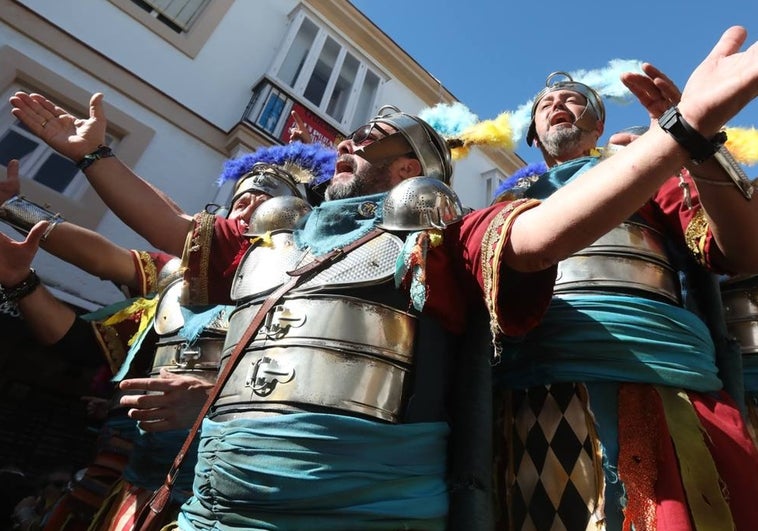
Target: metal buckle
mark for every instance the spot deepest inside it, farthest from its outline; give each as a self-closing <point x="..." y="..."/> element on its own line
<point x="265" y="374"/>
<point x="187" y="357"/>
<point x="279" y="320"/>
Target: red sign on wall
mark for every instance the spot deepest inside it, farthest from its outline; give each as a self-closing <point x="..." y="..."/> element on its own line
<point x="319" y="130"/>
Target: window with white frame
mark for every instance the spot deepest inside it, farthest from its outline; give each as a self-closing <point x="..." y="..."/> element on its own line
<point x="322" y="69"/>
<point x="176" y="14"/>
<point x="186" y="24"/>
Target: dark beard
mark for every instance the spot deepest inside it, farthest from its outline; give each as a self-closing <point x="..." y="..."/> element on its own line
<point x="562" y="140"/>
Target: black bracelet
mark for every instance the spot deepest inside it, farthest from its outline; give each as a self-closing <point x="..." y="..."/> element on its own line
<point x="22" y="289"/>
<point x="102" y="152"/>
<point x="699" y="147"/>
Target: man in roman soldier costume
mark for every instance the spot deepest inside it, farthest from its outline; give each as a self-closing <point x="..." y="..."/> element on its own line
<point x="616" y="413"/>
<point x="176" y="348"/>
<point x="336" y="413"/>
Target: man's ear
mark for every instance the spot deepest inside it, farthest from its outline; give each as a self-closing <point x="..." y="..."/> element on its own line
<point x="600" y="127"/>
<point x="410" y="168"/>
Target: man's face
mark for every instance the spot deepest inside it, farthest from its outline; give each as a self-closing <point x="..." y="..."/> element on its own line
<point x="563" y="127"/>
<point x="364" y="168"/>
<point x="245" y="205"/>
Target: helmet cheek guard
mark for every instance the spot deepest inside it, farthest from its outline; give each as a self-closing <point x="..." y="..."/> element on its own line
<point x="594" y="101"/>
<point x="430" y="148"/>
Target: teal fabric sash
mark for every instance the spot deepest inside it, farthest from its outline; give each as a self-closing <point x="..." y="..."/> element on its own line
<point x="195" y="320"/>
<point x="318" y="472"/>
<point x="337" y="223"/>
<point x="151" y="457"/>
<point x="613" y="338"/>
<point x="559" y="175"/>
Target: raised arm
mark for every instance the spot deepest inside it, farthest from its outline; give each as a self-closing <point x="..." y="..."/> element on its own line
<point x="48" y="318"/>
<point x="580" y="212"/>
<point x="732" y="218"/>
<point x="81" y="247"/>
<point x="128" y="195"/>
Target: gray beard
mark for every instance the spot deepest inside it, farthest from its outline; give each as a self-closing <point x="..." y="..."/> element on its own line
<point x="343" y="190"/>
<point x="362" y="184"/>
<point x="562" y="140"/>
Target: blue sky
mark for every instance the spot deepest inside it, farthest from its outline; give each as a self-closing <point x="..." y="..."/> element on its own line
<point x="494" y="55"/>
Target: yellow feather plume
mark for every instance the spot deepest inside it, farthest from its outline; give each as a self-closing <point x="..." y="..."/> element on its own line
<point x="743" y="144"/>
<point x="495" y="133"/>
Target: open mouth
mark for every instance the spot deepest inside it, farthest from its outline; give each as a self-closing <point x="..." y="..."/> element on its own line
<point x="562" y="117"/>
<point x="344" y="164"/>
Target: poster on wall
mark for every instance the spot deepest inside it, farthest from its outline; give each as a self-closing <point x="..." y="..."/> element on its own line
<point x="319" y="130"/>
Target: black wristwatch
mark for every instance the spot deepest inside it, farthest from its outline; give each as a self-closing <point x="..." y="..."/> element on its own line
<point x="699" y="147"/>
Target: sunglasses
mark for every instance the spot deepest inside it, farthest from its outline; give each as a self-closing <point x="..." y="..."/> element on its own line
<point x="364" y="134"/>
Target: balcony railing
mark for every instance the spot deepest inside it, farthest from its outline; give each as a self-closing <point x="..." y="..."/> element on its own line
<point x="270" y="110"/>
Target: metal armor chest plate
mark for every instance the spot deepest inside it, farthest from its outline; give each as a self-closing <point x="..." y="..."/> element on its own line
<point x="740" y="298"/>
<point x="631" y="257"/>
<point x="319" y="351"/>
<point x="264" y="269"/>
<point x="173" y="352"/>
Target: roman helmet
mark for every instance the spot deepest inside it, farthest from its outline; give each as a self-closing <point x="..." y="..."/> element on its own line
<point x="553" y="83"/>
<point x="427" y="145"/>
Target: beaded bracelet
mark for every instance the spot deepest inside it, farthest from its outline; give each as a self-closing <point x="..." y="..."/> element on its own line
<point x="22" y="289"/>
<point x="102" y="152"/>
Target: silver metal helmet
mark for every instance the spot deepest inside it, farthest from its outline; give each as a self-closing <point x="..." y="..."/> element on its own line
<point x="594" y="101"/>
<point x="283" y="212"/>
<point x="420" y="203"/>
<point x="429" y="147"/>
<point x="268" y="179"/>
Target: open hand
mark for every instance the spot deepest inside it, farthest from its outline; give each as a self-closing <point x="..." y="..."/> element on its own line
<point x="16" y="257"/>
<point x="70" y="135"/>
<point x="11" y="185"/>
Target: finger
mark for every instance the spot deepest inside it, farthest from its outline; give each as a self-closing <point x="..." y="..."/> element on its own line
<point x="156" y="426"/>
<point x="299" y="121"/>
<point x="147" y="415"/>
<point x="622" y="139"/>
<point x="729" y="43"/>
<point x="11" y="185"/>
<point x="46" y="106"/>
<point x="12" y="170"/>
<point x="29" y="112"/>
<point x="35" y="235"/>
<point x="142" y="384"/>
<point x="669" y="90"/>
<point x="96" y="106"/>
<point x="640" y="86"/>
<point x="143" y="401"/>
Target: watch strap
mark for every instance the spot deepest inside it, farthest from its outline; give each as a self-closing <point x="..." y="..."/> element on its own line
<point x="699" y="148"/>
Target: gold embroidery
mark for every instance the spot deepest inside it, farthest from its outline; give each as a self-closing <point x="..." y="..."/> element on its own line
<point x="111" y="345"/>
<point x="148" y="273"/>
<point x="493" y="242"/>
<point x="695" y="235"/>
<point x="199" y="240"/>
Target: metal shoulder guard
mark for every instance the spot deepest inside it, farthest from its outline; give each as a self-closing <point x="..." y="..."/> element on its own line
<point x="22" y="214"/>
<point x="420" y="203"/>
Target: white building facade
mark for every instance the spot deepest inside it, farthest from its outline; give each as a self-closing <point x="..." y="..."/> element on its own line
<point x="191" y="83"/>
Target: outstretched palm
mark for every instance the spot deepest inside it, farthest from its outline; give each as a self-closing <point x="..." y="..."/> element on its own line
<point x="69" y="135"/>
<point x="16" y="257"/>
